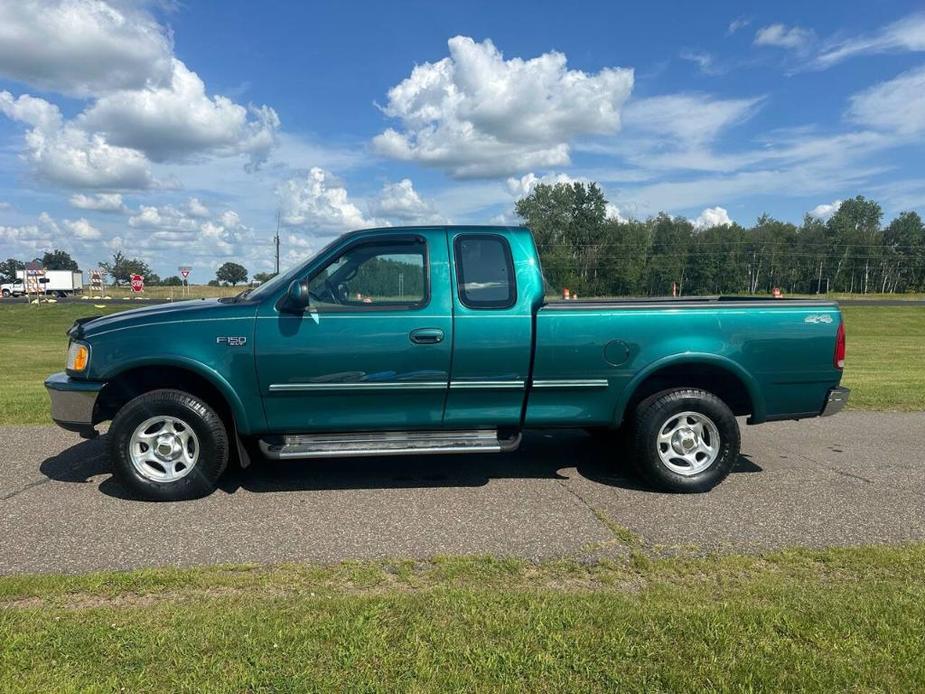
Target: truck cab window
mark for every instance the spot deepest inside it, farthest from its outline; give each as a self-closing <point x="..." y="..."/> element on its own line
<point x="485" y="271"/>
<point x="381" y="273"/>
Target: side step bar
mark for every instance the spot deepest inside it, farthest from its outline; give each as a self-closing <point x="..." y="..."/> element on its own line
<point x="374" y="443"/>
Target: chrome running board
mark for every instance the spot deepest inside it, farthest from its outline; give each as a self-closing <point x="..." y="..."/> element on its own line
<point x="375" y="443"/>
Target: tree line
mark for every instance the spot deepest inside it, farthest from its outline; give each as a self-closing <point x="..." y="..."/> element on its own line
<point x="593" y="255"/>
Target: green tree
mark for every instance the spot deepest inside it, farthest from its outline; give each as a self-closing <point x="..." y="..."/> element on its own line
<point x="8" y="269"/>
<point x="172" y="281"/>
<point x="232" y="273"/>
<point x="904" y="242"/>
<point x="59" y="260"/>
<point x="568" y="222"/>
<point x="121" y="269"/>
<point x="263" y="276"/>
<point x="623" y="257"/>
<point x="854" y="232"/>
<point x="667" y="265"/>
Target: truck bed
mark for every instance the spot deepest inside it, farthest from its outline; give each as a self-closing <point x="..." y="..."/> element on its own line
<point x="681" y="302"/>
<point x="592" y="353"/>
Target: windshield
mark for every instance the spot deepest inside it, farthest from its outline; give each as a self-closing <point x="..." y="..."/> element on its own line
<point x="283" y="278"/>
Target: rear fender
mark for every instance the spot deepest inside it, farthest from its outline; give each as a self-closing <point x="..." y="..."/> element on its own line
<point x="695" y="358"/>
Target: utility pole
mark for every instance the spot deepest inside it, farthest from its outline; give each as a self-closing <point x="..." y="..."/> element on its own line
<point x="276" y="242"/>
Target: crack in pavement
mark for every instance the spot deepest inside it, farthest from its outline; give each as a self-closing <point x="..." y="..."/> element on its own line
<point x="623" y="535"/>
<point x="24" y="488"/>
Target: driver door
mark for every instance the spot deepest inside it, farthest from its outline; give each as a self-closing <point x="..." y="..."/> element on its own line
<point x="373" y="349"/>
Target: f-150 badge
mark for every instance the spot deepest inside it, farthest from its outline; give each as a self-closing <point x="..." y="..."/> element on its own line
<point x="818" y="318"/>
<point x="231" y="341"/>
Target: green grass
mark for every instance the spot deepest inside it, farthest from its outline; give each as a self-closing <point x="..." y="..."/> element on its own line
<point x="840" y="619"/>
<point x="33" y="345"/>
<point x="886" y="356"/>
<point x="196" y="291"/>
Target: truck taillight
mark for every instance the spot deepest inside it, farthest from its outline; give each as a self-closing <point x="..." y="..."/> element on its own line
<point x="840" y="346"/>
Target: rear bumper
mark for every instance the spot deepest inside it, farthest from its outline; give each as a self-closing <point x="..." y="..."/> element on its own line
<point x="835" y="401"/>
<point x="73" y="402"/>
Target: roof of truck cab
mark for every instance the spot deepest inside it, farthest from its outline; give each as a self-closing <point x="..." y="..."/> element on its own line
<point x="449" y="227"/>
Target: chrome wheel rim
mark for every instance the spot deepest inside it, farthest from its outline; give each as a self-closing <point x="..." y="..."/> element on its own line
<point x="164" y="449"/>
<point x="688" y="443"/>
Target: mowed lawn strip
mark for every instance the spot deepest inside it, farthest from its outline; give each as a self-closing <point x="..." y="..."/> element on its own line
<point x="886" y="356"/>
<point x="839" y="619"/>
<point x="33" y="344"/>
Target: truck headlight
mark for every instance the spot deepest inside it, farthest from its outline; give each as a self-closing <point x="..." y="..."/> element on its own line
<point x="78" y="356"/>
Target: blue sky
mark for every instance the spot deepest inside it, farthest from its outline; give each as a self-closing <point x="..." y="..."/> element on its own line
<point x="177" y="131"/>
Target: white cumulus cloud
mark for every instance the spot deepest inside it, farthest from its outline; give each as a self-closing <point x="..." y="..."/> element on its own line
<point x="66" y="154"/>
<point x="82" y="229"/>
<point x="195" y="208"/>
<point x="81" y="47"/>
<point x="825" y="210"/>
<point x="143" y="104"/>
<point x="782" y="36"/>
<point x="178" y="120"/>
<point x="523" y="186"/>
<point x="614" y="212"/>
<point x="475" y="113"/>
<point x="401" y="203"/>
<point x="319" y="201"/>
<point x="101" y="202"/>
<point x="712" y="217"/>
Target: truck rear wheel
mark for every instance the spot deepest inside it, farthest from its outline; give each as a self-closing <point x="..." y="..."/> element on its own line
<point x="168" y="445"/>
<point x="685" y="440"/>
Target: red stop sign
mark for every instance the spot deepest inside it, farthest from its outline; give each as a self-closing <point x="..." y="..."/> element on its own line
<point x="138" y="283"/>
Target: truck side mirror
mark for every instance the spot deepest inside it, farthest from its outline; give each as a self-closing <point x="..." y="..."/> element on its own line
<point x="296" y="298"/>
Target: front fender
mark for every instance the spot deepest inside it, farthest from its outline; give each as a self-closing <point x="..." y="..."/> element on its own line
<point x="244" y="421"/>
<point x="696" y="358"/>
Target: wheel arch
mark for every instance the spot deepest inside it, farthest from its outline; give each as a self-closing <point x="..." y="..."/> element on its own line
<point x="719" y="375"/>
<point x="181" y="374"/>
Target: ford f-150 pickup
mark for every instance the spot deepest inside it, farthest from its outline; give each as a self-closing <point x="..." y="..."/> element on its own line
<point x="403" y="341"/>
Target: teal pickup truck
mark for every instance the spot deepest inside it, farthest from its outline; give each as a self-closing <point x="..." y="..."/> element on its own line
<point x="405" y="341"/>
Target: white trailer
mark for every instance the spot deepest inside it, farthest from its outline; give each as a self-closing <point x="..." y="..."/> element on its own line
<point x="58" y="283"/>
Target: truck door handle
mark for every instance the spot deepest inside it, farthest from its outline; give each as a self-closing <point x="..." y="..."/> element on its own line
<point x="426" y="336"/>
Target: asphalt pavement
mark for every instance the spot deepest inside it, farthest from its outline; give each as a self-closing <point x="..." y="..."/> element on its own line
<point x="852" y="479"/>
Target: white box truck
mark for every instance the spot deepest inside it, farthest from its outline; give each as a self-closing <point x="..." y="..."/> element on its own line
<point x="57" y="283"/>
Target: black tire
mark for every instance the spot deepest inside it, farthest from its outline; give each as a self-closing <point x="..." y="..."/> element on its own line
<point x="656" y="412"/>
<point x="202" y="478"/>
<point x="6" y="293"/>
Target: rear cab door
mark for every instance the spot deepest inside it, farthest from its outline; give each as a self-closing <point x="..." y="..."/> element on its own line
<point x="496" y="289"/>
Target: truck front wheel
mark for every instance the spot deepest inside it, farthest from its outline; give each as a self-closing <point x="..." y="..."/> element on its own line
<point x="685" y="440"/>
<point x="168" y="445"/>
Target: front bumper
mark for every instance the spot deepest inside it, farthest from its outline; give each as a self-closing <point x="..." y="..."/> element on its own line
<point x="73" y="402"/>
<point x="835" y="401"/>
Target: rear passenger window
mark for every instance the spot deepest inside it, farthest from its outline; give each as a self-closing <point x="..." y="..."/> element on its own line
<point x="485" y="271"/>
